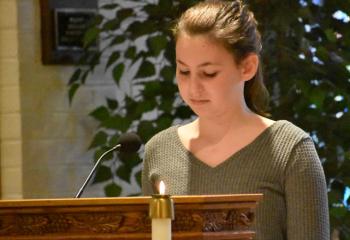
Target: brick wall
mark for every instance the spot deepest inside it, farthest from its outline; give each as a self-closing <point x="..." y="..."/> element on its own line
<point x="10" y="109"/>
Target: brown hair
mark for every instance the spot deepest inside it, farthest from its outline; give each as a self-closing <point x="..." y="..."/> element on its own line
<point x="233" y="25"/>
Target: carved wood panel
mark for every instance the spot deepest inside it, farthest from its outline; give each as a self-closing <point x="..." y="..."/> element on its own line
<point x="192" y="221"/>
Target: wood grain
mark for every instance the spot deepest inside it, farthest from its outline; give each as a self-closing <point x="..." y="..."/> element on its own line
<point x="196" y="217"/>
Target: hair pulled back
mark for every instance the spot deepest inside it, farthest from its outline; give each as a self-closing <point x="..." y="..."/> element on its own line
<point x="233" y="25"/>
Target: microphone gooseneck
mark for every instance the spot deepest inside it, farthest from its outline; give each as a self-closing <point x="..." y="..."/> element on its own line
<point x="128" y="143"/>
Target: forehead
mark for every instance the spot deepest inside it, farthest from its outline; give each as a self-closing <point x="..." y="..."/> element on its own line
<point x="201" y="48"/>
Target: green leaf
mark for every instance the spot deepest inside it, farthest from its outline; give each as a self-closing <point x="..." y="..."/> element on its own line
<point x="118" y="72"/>
<point x="317" y="97"/>
<point x="138" y="29"/>
<point x="109" y="6"/>
<point x="335" y="196"/>
<point x="124" y="13"/>
<point x="131" y="53"/>
<point x="144" y="106"/>
<point x="157" y="43"/>
<point x="100" y="139"/>
<point x="166" y="5"/>
<point x="117" y="123"/>
<point x="347" y="181"/>
<point x="113" y="190"/>
<point x="130" y="104"/>
<point x="322" y="53"/>
<point x="97" y="20"/>
<point x="112" y="58"/>
<point x="152" y="10"/>
<point x="170" y="54"/>
<point x="103" y="174"/>
<point x="138" y="177"/>
<point x="338" y="212"/>
<point x="83" y="78"/>
<point x="124" y="173"/>
<point x="72" y="91"/>
<point x="90" y="36"/>
<point x="164" y="121"/>
<point x="146" y="69"/>
<point x="304" y="13"/>
<point x="169" y="90"/>
<point x="102" y="150"/>
<point x="75" y="76"/>
<point x="111" y="25"/>
<point x="183" y="112"/>
<point x="117" y="40"/>
<point x="101" y="113"/>
<point x="168" y="73"/>
<point x="95" y="60"/>
<point x="112" y="103"/>
<point x="166" y="105"/>
<point x="146" y="130"/>
<point x="114" y="140"/>
<point x="152" y="89"/>
<point x="130" y="160"/>
<point x="330" y="35"/>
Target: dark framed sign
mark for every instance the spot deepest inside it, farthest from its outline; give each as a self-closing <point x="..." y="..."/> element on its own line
<point x="63" y="25"/>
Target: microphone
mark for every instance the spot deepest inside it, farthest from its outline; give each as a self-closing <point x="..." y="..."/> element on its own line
<point x="127" y="143"/>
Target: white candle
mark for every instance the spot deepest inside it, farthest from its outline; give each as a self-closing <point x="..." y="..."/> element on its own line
<point x="162" y="214"/>
<point x="161" y="229"/>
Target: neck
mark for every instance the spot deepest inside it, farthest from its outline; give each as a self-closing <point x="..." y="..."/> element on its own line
<point x="219" y="126"/>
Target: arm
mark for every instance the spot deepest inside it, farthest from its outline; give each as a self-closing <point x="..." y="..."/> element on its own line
<point x="306" y="195"/>
<point x="146" y="183"/>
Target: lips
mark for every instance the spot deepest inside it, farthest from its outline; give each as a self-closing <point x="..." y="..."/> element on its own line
<point x="199" y="101"/>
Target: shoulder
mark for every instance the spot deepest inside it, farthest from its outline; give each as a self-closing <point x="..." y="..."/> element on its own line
<point x="281" y="138"/>
<point x="284" y="130"/>
<point x="162" y="137"/>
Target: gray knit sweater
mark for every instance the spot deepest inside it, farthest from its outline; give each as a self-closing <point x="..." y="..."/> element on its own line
<point x="281" y="163"/>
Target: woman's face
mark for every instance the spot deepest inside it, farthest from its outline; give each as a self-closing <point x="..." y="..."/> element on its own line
<point x="208" y="78"/>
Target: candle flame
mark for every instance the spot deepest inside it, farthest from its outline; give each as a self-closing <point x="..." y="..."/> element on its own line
<point x="161" y="188"/>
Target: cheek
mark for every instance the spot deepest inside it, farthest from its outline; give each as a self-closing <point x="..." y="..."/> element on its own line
<point x="225" y="90"/>
<point x="181" y="85"/>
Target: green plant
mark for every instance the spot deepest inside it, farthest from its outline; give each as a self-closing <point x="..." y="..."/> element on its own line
<point x="307" y="69"/>
<point x="155" y="78"/>
<point x="306" y="62"/>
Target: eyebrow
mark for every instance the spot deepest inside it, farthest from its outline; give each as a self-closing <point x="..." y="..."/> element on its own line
<point x="202" y="64"/>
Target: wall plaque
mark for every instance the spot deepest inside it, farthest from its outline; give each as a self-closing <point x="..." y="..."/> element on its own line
<point x="63" y="25"/>
<point x="70" y="27"/>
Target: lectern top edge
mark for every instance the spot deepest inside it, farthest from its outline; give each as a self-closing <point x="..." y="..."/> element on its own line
<point x="130" y="200"/>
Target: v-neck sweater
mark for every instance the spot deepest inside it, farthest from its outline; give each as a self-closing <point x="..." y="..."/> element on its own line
<point x="281" y="162"/>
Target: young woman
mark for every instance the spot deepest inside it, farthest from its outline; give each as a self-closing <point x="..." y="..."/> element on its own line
<point x="232" y="147"/>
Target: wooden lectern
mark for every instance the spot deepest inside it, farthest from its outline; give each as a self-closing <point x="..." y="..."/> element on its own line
<point x="196" y="217"/>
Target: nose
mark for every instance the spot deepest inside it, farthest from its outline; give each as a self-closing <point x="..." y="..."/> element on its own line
<point x="196" y="87"/>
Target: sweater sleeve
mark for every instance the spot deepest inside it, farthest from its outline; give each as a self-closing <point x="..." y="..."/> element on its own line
<point x="306" y="194"/>
<point x="145" y="182"/>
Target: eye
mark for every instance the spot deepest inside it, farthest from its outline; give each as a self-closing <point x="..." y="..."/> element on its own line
<point x="184" y="72"/>
<point x="210" y="75"/>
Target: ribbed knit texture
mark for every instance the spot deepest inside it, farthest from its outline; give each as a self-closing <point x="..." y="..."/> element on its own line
<point x="281" y="163"/>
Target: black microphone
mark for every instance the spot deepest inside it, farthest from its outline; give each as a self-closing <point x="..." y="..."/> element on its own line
<point x="128" y="143"/>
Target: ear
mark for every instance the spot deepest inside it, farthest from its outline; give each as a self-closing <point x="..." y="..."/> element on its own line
<point x="249" y="67"/>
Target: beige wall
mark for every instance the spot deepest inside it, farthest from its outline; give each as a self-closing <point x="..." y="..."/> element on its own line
<point x="55" y="136"/>
<point x="10" y="109"/>
<point x="44" y="141"/>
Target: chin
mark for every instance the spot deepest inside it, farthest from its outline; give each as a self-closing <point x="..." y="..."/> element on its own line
<point x="209" y="112"/>
<point x="203" y="113"/>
